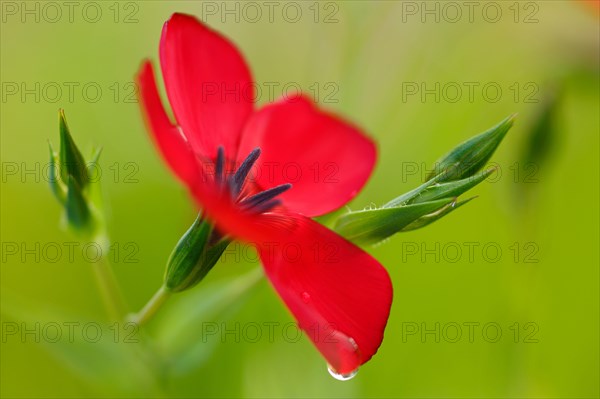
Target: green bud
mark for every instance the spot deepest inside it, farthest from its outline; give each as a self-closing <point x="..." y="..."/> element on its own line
<point x="71" y="160"/>
<point x="71" y="185"/>
<point x="453" y="175"/>
<point x="194" y="256"/>
<point x="470" y="156"/>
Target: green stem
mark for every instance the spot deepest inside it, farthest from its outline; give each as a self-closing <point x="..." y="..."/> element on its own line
<point x="148" y="311"/>
<point x="109" y="289"/>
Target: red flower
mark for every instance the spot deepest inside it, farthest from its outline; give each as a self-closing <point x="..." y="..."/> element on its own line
<point x="339" y="294"/>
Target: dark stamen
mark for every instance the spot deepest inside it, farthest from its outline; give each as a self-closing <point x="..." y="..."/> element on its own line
<point x="266" y="206"/>
<point x="264" y="196"/>
<point x="237" y="180"/>
<point x="219" y="165"/>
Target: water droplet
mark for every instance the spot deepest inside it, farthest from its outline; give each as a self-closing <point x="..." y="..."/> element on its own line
<point x="305" y="297"/>
<point x="341" y="377"/>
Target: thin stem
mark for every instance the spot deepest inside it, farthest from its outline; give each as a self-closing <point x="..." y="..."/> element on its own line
<point x="109" y="289"/>
<point x="148" y="311"/>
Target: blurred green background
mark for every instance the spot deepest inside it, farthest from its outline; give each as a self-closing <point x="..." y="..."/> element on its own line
<point x="541" y="290"/>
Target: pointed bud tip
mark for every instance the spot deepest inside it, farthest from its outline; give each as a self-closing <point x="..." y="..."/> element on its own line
<point x="510" y="120"/>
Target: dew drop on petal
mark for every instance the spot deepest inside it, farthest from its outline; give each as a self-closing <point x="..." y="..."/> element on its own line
<point x="305" y="297"/>
<point x="341" y="377"/>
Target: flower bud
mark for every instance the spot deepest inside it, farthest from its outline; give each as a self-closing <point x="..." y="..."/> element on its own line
<point x="194" y="256"/>
<point x="71" y="160"/>
<point x="469" y="157"/>
<point x="71" y="185"/>
<point x="454" y="174"/>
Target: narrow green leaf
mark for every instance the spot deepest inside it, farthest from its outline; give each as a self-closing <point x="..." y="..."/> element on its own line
<point x="470" y="156"/>
<point x="373" y="225"/>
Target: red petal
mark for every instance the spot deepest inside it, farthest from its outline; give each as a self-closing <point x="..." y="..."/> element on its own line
<point x="208" y="83"/>
<point x="167" y="137"/>
<point x="339" y="294"/>
<point x="325" y="158"/>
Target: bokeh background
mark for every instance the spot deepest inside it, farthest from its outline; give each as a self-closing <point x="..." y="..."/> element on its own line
<point x="541" y="211"/>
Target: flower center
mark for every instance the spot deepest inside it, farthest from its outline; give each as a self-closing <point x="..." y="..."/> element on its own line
<point x="260" y="202"/>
